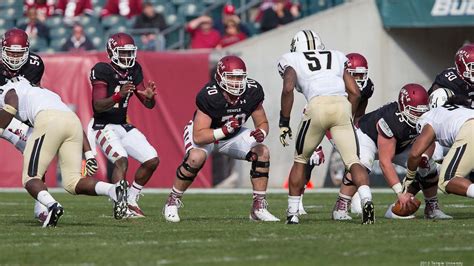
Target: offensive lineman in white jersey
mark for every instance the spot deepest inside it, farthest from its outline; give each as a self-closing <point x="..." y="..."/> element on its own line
<point x="320" y="75"/>
<point x="452" y="125"/>
<point x="57" y="130"/>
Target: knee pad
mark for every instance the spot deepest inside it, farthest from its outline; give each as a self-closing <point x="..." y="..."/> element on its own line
<point x="346" y="181"/>
<point x="253" y="157"/>
<point x="193" y="170"/>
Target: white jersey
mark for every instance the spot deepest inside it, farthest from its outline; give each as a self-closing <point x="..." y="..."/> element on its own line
<point x="446" y="122"/>
<point x="31" y="99"/>
<point x="320" y="73"/>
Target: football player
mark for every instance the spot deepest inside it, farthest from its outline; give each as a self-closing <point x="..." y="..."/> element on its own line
<point x="112" y="86"/>
<point x="223" y="105"/>
<point x="387" y="133"/>
<point x="452" y="125"/>
<point x="57" y="130"/>
<point x="358" y="67"/>
<point x="459" y="79"/>
<point x="333" y="98"/>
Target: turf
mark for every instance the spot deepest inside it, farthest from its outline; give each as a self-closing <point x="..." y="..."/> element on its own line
<point x="215" y="230"/>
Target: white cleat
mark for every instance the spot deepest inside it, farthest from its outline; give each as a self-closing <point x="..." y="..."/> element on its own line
<point x="301" y="210"/>
<point x="170" y="210"/>
<point x="40" y="212"/>
<point x="390" y="215"/>
<point x="436" y="214"/>
<point x="341" y="215"/>
<point x="260" y="212"/>
<point x="356" y="207"/>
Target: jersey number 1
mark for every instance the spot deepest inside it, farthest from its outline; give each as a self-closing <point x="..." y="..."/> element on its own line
<point x="314" y="63"/>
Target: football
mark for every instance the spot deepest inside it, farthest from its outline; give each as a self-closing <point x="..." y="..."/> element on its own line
<point x="408" y="210"/>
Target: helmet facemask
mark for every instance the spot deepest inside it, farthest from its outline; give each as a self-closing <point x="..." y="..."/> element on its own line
<point x="125" y="56"/>
<point x="14" y="56"/>
<point x="411" y="114"/>
<point x="468" y="74"/>
<point x="234" y="82"/>
<point x="360" y="75"/>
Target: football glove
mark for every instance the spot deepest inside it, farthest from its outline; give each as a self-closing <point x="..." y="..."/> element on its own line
<point x="259" y="134"/>
<point x="230" y="126"/>
<point x="285" y="130"/>
<point x="90" y="167"/>
<point x="409" y="178"/>
<point x="318" y="157"/>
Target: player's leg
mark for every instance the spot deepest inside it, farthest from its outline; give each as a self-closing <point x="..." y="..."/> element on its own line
<point x="138" y="147"/>
<point x="187" y="171"/>
<point x="40" y="150"/>
<point x="346" y="142"/>
<point x="244" y="147"/>
<point x="70" y="157"/>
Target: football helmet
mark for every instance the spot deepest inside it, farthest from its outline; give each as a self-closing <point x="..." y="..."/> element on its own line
<point x="439" y="97"/>
<point x="412" y="103"/>
<point x="15" y="48"/>
<point x="464" y="60"/>
<point x="122" y="50"/>
<point x="306" y="40"/>
<point x="358" y="67"/>
<point x="231" y="75"/>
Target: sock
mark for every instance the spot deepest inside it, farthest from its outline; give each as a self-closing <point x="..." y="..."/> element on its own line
<point x="134" y="190"/>
<point x="259" y="194"/>
<point x="470" y="191"/>
<point x="105" y="189"/>
<point x="175" y="193"/>
<point x="45" y="198"/>
<point x="293" y="204"/>
<point x="345" y="197"/>
<point x="12" y="138"/>
<point x="432" y="199"/>
<point x="364" y="193"/>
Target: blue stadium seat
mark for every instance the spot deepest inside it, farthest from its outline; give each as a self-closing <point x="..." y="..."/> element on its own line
<point x="98" y="3"/>
<point x="113" y="21"/>
<point x="94" y="30"/>
<point x="6" y="23"/>
<point x="57" y="43"/>
<point x="54" y="21"/>
<point x="11" y="3"/>
<point x="172" y="19"/>
<point x="11" y="12"/>
<point x="181" y="2"/>
<point x="165" y="8"/>
<point x="60" y="32"/>
<point x="99" y="42"/>
<point x="190" y="10"/>
<point x="38" y="44"/>
<point x="89" y="21"/>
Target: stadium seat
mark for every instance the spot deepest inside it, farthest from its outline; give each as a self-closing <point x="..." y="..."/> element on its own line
<point x="38" y="44"/>
<point x="94" y="30"/>
<point x="54" y="21"/>
<point x="113" y="21"/>
<point x="181" y="2"/>
<point x="59" y="32"/>
<point x="117" y="28"/>
<point x="98" y="3"/>
<point x="99" y="42"/>
<point x="173" y="19"/>
<point x="6" y="23"/>
<point x="11" y="3"/>
<point x="165" y="8"/>
<point x="89" y="21"/>
<point x="57" y="43"/>
<point x="11" y="12"/>
<point x="190" y="10"/>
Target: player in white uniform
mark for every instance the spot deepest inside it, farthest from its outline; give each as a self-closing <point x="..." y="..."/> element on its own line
<point x="57" y="130"/>
<point x="452" y="125"/>
<point x="319" y="74"/>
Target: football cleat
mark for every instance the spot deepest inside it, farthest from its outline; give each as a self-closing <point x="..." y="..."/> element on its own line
<point x="260" y="212"/>
<point x="133" y="206"/>
<point x="340" y="211"/>
<point x="120" y="205"/>
<point x="170" y="211"/>
<point x="54" y="213"/>
<point x="40" y="212"/>
<point x="390" y="215"/>
<point x="432" y="211"/>
<point x="301" y="210"/>
<point x="356" y="207"/>
<point x="368" y="215"/>
<point x="292" y="219"/>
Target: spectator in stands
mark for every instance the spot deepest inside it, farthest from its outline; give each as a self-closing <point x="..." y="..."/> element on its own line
<point x="33" y="27"/>
<point x="44" y="8"/>
<point x="228" y="13"/>
<point x="78" y="41"/>
<point x="70" y="9"/>
<point x="129" y="8"/>
<point x="232" y="34"/>
<point x="275" y="16"/>
<point x="151" y="23"/>
<point x="202" y="33"/>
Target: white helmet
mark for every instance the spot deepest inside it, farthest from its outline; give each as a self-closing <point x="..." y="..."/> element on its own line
<point x="306" y="40"/>
<point x="439" y="97"/>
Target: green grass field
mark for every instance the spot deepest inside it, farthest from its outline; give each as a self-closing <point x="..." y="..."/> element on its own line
<point x="215" y="230"/>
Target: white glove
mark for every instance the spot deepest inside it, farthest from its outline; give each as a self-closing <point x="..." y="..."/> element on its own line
<point x="318" y="157"/>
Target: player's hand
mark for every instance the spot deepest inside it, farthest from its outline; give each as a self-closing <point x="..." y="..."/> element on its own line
<point x="404" y="199"/>
<point x="285" y="130"/>
<point x="126" y="89"/>
<point x="230" y="126"/>
<point x="317" y="157"/>
<point x="409" y="178"/>
<point x="150" y="90"/>
<point x="259" y="134"/>
<point x="91" y="166"/>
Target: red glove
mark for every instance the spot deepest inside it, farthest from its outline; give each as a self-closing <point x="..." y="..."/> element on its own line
<point x="259" y="134"/>
<point x="230" y="126"/>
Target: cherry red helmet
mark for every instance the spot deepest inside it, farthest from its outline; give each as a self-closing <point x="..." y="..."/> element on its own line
<point x="412" y="103"/>
<point x="15" y="48"/>
<point x="231" y="75"/>
<point x="464" y="60"/>
<point x="122" y="50"/>
<point x="358" y="67"/>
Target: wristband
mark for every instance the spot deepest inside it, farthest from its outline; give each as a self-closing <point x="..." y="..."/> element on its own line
<point x="218" y="134"/>
<point x="116" y="97"/>
<point x="264" y="133"/>
<point x="411" y="174"/>
<point x="10" y="109"/>
<point x="397" y="188"/>
<point x="284" y="121"/>
<point x="89" y="155"/>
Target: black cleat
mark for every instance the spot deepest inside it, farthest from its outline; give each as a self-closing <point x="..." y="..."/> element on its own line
<point x="54" y="213"/>
<point x="292" y="219"/>
<point x="368" y="216"/>
<point x="120" y="205"/>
